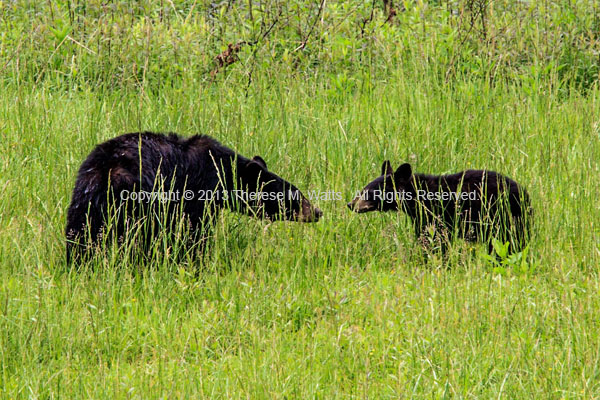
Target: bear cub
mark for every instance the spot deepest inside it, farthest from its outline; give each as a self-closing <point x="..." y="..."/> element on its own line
<point x="475" y="205"/>
<point x="164" y="178"/>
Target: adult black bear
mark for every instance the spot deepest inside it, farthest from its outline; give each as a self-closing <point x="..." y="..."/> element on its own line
<point x="139" y="175"/>
<point x="475" y="205"/>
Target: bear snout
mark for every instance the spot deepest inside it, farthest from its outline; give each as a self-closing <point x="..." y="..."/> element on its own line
<point x="308" y="213"/>
<point x="318" y="213"/>
<point x="359" y="205"/>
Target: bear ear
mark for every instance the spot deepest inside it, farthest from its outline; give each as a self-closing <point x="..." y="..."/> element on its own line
<point x="403" y="173"/>
<point x="260" y="161"/>
<point x="253" y="169"/>
<point x="386" y="168"/>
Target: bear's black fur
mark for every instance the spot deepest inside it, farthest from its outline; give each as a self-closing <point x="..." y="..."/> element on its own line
<point x="474" y="205"/>
<point x="171" y="164"/>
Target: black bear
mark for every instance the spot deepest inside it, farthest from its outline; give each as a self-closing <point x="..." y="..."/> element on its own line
<point x="139" y="175"/>
<point x="475" y="205"/>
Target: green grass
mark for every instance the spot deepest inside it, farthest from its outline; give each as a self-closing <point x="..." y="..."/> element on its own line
<point x="341" y="308"/>
<point x="344" y="308"/>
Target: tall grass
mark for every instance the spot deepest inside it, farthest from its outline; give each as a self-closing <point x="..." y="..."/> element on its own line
<point x="343" y="308"/>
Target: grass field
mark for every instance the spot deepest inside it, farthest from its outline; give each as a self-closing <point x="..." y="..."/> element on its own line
<point x="344" y="308"/>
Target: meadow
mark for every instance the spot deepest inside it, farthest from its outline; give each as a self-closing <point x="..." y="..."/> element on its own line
<point x="324" y="91"/>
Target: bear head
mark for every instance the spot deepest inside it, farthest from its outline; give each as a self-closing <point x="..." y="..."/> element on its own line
<point x="387" y="192"/>
<point x="267" y="195"/>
